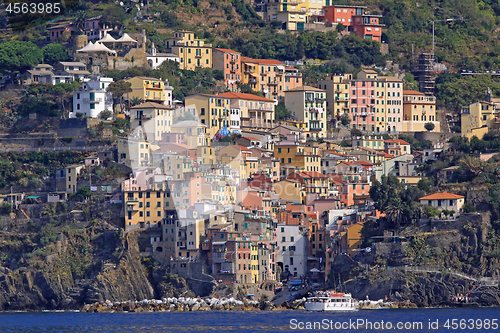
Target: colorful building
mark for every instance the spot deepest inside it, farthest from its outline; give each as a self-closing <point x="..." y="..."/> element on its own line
<point x="213" y="111"/>
<point x="337" y="89"/>
<point x="192" y="52"/>
<point x="419" y="109"/>
<point x="149" y="89"/>
<point x="229" y="62"/>
<point x="308" y="105"/>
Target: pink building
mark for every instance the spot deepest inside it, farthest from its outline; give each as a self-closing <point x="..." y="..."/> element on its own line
<point x="363" y="104"/>
<point x="57" y="31"/>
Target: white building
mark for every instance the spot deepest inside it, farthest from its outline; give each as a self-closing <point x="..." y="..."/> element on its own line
<point x="292" y="249"/>
<point x="155" y="59"/>
<point x="92" y="98"/>
<point x="235" y="120"/>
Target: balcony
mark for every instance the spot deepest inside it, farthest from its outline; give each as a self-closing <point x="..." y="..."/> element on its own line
<point x="95" y="100"/>
<point x="143" y="117"/>
<point x="272" y="83"/>
<point x="154" y="98"/>
<point x="279" y="73"/>
<point x="131" y="201"/>
<point x="232" y="61"/>
<point x="249" y="71"/>
<point x="314" y="129"/>
<point x="263" y="73"/>
<point x="252" y="81"/>
<point x="293" y="74"/>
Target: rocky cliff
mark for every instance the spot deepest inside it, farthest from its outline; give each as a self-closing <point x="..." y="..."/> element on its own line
<point x="67" y="268"/>
<point x="439" y="260"/>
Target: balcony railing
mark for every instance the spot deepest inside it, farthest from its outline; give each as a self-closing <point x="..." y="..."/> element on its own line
<point x="144" y="117"/>
<point x="95" y="100"/>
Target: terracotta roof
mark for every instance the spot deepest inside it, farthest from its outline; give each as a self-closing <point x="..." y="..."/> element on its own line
<point x="398" y="141"/>
<point x="306" y="88"/>
<point x="387" y="155"/>
<point x="241" y="148"/>
<point x="412" y="92"/>
<point x="269" y="61"/>
<point x="245" y="96"/>
<point x="441" y="196"/>
<point x="364" y="163"/>
<point x="250" y="138"/>
<point x="227" y="50"/>
<point x="287" y="67"/>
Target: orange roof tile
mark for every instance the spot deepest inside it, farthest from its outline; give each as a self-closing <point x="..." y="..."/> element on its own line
<point x="387" y="155"/>
<point x="412" y="92"/>
<point x="250" y="138"/>
<point x="398" y="141"/>
<point x="441" y="196"/>
<point x="227" y="50"/>
<point x="241" y="148"/>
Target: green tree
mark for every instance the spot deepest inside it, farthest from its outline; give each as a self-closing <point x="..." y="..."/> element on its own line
<point x="429" y="126"/>
<point x="53" y="53"/>
<point x="118" y="89"/>
<point x="114" y="16"/>
<point x="395" y="212"/>
<point x="106" y="114"/>
<point x="345" y="119"/>
<point x="79" y="21"/>
<point x="281" y="112"/>
<point x="19" y="56"/>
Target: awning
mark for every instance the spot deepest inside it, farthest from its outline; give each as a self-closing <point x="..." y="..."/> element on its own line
<point x="33" y="197"/>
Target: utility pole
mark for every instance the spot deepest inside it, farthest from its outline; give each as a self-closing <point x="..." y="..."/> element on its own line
<point x="457" y="18"/>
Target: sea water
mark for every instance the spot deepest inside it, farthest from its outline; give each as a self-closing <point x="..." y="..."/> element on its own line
<point x="383" y="320"/>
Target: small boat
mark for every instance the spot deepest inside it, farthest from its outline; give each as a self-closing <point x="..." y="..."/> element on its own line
<point x="331" y="301"/>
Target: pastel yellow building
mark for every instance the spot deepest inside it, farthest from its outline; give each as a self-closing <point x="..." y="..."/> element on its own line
<point x="154" y="118"/>
<point x="419" y="109"/>
<point x="213" y="111"/>
<point x="134" y="152"/>
<point x="192" y="52"/>
<point x="250" y="72"/>
<point x="254" y="262"/>
<point x="478" y="119"/>
<point x="206" y="155"/>
<point x="300" y="158"/>
<point x="194" y="132"/>
<point x="149" y="89"/>
<point x="308" y="105"/>
<point x="252" y="111"/>
<point x="290" y="190"/>
<point x="300" y="8"/>
<point x="337" y="93"/>
<point x="291" y="20"/>
<point x="145" y="208"/>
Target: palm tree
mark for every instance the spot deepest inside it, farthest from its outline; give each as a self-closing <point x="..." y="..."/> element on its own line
<point x="80" y="18"/>
<point x="136" y="101"/>
<point x="395" y="212"/>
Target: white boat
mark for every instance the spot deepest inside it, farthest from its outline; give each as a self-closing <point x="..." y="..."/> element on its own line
<point x="331" y="301"/>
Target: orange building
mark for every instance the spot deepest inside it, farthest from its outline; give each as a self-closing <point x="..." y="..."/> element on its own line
<point x="229" y="62"/>
<point x="367" y="26"/>
<point x="341" y="14"/>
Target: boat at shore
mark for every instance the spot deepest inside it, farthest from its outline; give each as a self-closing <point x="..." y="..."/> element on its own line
<point x="331" y="301"/>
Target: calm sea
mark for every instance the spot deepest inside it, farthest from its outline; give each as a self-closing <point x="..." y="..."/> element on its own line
<point x="395" y="320"/>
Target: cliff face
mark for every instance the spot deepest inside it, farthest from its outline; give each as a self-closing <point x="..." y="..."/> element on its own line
<point x="64" y="274"/>
<point x="442" y="259"/>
